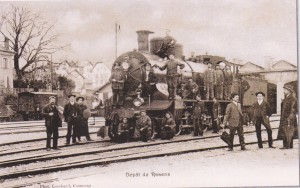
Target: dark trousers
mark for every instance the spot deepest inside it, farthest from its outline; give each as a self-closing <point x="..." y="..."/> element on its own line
<point x="215" y="124"/>
<point x="84" y="131"/>
<point x="122" y="137"/>
<point x="172" y="85"/>
<point x="118" y="97"/>
<point x="145" y="135"/>
<point x="227" y="91"/>
<point x="219" y="91"/>
<point x="198" y="128"/>
<point x="240" y="132"/>
<point x="52" y="130"/>
<point x="209" y="90"/>
<point x="167" y="132"/>
<point x="72" y="127"/>
<point x="286" y="144"/>
<point x="258" y="123"/>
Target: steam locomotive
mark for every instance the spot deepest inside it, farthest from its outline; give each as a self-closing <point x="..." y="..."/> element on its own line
<point x="159" y="105"/>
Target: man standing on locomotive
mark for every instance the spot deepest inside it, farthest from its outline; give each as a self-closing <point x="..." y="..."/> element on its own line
<point x="228" y="79"/>
<point x="71" y="112"/>
<point x="172" y="75"/>
<point x="117" y="79"/>
<point x="209" y="81"/>
<point x="52" y="122"/>
<point x="148" y="83"/>
<point x="261" y="114"/>
<point x="219" y="83"/>
<point x="234" y="120"/>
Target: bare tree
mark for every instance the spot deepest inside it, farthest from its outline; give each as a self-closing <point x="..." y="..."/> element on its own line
<point x="30" y="36"/>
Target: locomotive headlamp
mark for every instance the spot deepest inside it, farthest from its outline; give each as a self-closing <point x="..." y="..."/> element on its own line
<point x="125" y="65"/>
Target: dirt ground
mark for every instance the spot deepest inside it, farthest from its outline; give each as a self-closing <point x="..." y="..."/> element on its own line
<point x="214" y="168"/>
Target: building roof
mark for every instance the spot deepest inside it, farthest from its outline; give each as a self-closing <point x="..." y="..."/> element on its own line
<point x="284" y="61"/>
<point x="253" y="64"/>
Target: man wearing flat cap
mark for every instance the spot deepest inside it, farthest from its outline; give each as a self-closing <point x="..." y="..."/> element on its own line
<point x="209" y="81"/>
<point x="52" y="122"/>
<point x="117" y="80"/>
<point x="261" y="113"/>
<point x="288" y="119"/>
<point x="71" y="112"/>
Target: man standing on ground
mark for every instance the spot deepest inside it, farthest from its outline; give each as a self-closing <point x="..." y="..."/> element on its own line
<point x="71" y="112"/>
<point x="288" y="118"/>
<point x="261" y="114"/>
<point x="234" y="120"/>
<point x="52" y="122"/>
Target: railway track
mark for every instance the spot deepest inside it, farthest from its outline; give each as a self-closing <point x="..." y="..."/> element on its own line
<point x="47" y="162"/>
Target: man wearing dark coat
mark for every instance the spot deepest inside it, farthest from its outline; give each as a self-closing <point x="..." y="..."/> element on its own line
<point x="288" y="116"/>
<point x="83" y="127"/>
<point x="123" y="131"/>
<point x="190" y="89"/>
<point x="234" y="120"/>
<point x="219" y="83"/>
<point x="117" y="79"/>
<point x="172" y="75"/>
<point x="52" y="122"/>
<point x="143" y="126"/>
<point x="148" y="83"/>
<point x="209" y="81"/>
<point x="71" y="112"/>
<point x="261" y="113"/>
<point x="216" y="115"/>
<point x="199" y="108"/>
<point x="228" y="79"/>
<point x="168" y="127"/>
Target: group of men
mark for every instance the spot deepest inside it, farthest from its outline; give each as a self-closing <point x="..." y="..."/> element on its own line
<point x="218" y="82"/>
<point x="261" y="116"/>
<point x="75" y="114"/>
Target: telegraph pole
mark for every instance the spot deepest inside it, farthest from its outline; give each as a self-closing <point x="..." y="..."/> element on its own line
<point x="51" y="73"/>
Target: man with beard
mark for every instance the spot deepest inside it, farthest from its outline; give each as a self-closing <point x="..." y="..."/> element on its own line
<point x="71" y="112"/>
<point x="83" y="127"/>
<point x="52" y="122"/>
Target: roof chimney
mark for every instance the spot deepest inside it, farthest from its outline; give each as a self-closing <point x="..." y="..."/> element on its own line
<point x="143" y="40"/>
<point x="6" y="43"/>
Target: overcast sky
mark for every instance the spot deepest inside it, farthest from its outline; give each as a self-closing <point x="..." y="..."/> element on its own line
<point x="243" y="29"/>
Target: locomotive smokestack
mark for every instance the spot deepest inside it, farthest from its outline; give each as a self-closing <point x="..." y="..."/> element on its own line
<point x="143" y="40"/>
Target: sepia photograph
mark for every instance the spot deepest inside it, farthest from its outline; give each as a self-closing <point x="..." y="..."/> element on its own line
<point x="149" y="93"/>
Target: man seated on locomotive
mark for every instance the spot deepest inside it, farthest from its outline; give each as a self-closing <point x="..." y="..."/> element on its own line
<point x="172" y="75"/>
<point x="143" y="127"/>
<point x="117" y="79"/>
<point x="199" y="109"/>
<point x="168" y="127"/>
<point x="185" y="124"/>
<point x="83" y="127"/>
<point x="149" y="81"/>
<point x="123" y="132"/>
<point x="190" y="89"/>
